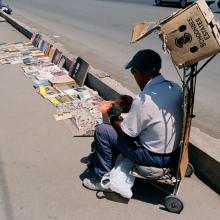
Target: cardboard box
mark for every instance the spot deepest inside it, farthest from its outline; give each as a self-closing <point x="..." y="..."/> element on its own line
<point x="190" y="35"/>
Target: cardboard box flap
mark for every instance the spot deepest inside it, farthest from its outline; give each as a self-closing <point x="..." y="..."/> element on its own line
<point x="142" y="29"/>
<point x="206" y="11"/>
<point x="216" y="33"/>
<point x="173" y="15"/>
<point x="218" y="25"/>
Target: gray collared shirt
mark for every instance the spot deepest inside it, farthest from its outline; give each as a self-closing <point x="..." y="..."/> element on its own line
<point x="156" y="116"/>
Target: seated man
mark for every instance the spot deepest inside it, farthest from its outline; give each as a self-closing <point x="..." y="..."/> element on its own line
<point x="151" y="132"/>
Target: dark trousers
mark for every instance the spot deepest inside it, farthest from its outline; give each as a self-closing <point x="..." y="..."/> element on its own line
<point x="108" y="145"/>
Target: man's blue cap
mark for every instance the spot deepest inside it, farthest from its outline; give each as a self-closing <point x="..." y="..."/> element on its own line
<point x="145" y="61"/>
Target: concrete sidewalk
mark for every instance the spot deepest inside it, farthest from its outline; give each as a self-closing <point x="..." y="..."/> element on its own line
<point x="40" y="165"/>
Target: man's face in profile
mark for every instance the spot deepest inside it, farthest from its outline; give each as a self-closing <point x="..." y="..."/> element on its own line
<point x="140" y="78"/>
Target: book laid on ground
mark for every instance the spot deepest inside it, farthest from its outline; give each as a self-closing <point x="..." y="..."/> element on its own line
<point x="62" y="80"/>
<point x="43" y="75"/>
<point x="38" y="83"/>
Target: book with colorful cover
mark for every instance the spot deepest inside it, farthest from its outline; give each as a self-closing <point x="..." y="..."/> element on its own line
<point x="38" y="83"/>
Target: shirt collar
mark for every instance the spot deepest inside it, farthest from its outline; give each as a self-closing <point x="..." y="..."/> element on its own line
<point x="156" y="80"/>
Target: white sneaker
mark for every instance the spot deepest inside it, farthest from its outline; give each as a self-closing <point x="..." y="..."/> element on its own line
<point x="94" y="184"/>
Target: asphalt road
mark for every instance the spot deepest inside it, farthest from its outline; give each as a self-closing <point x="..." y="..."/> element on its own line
<point x="99" y="30"/>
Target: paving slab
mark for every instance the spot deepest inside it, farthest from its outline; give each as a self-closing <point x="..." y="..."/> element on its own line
<point x="41" y="165"/>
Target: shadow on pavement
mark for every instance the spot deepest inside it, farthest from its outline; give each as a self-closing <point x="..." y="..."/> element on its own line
<point x="114" y="197"/>
<point x="5" y="194"/>
<point x="142" y="191"/>
<point x="85" y="160"/>
<point x="145" y="192"/>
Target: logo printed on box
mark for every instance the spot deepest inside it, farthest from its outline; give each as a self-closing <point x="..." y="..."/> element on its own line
<point x="186" y="38"/>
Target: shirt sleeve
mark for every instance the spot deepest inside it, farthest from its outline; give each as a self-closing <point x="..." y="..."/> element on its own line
<point x="135" y="121"/>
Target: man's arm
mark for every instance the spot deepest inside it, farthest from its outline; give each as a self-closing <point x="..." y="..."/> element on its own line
<point x="114" y="109"/>
<point x="117" y="126"/>
<point x="116" y="119"/>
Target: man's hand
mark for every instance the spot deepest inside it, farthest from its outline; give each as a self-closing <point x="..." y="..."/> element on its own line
<point x="125" y="101"/>
<point x="106" y="106"/>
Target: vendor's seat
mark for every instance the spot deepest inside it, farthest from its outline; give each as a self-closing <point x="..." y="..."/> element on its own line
<point x="163" y="175"/>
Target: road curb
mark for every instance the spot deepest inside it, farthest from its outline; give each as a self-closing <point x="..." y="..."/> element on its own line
<point x="206" y="167"/>
<point x="21" y="27"/>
